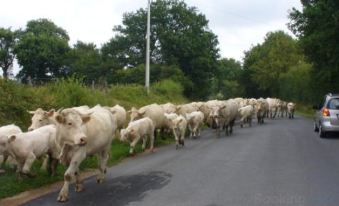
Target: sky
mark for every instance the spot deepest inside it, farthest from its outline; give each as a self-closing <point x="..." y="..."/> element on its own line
<point x="239" y="24"/>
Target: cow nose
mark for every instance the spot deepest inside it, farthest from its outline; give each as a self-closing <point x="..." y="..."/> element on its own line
<point x="82" y="141"/>
<point x="30" y="129"/>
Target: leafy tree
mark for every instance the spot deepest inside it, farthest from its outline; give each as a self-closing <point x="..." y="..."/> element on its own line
<point x="42" y="50"/>
<point x="157" y="73"/>
<point x="179" y="36"/>
<point x="227" y="79"/>
<point x="264" y="64"/>
<point x="7" y="44"/>
<point x="317" y="27"/>
<point x="85" y="61"/>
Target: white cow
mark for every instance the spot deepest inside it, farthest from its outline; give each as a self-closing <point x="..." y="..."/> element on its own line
<point x="141" y="128"/>
<point x="178" y="125"/>
<point x="5" y="131"/>
<point x="290" y="110"/>
<point x="120" y="115"/>
<point x="26" y="147"/>
<point x="262" y="109"/>
<point x="168" y="107"/>
<point x="41" y="117"/>
<point x="81" y="135"/>
<point x="195" y="121"/>
<point x="246" y="114"/>
<point x="273" y="107"/>
<point x="154" y="111"/>
<point x="186" y="108"/>
<point x="230" y="113"/>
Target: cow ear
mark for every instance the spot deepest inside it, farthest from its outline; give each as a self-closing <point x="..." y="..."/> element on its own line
<point x="50" y="113"/>
<point x="31" y="112"/>
<point x="11" y="138"/>
<point x="223" y="107"/>
<point x="113" y="112"/>
<point x="181" y="120"/>
<point x="85" y="118"/>
<point x="141" y="113"/>
<point x="60" y="119"/>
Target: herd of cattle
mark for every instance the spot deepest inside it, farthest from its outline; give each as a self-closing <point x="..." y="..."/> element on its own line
<point x="70" y="135"/>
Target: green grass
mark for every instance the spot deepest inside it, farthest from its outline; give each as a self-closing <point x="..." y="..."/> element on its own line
<point x="16" y="99"/>
<point x="305" y="111"/>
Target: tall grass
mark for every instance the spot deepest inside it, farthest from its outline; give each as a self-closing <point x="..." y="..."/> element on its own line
<point x="16" y="98"/>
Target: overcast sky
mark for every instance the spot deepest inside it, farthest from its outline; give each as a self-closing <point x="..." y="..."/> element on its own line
<point x="237" y="23"/>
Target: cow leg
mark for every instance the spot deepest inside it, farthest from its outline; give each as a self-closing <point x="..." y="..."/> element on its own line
<point x="226" y="130"/>
<point x="144" y="143"/>
<point x="28" y="164"/>
<point x="176" y="140"/>
<point x="5" y="157"/>
<point x="182" y="137"/>
<point x="45" y="164"/>
<point x="54" y="166"/>
<point x="231" y="126"/>
<point x="70" y="172"/>
<point x="78" y="183"/>
<point x="152" y="142"/>
<point x="103" y="158"/>
<point x="132" y="145"/>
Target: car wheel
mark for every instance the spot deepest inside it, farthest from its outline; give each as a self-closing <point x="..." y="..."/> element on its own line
<point x="315" y="127"/>
<point x="322" y="134"/>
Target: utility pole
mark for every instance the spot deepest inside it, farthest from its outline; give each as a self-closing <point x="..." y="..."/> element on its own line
<point x="147" y="46"/>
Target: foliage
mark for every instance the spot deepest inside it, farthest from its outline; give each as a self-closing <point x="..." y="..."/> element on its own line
<point x="278" y="68"/>
<point x="179" y="36"/>
<point x="226" y="82"/>
<point x="85" y="61"/>
<point x="317" y="27"/>
<point x="157" y="73"/>
<point x="7" y="44"/>
<point x="268" y="61"/>
<point x="42" y="50"/>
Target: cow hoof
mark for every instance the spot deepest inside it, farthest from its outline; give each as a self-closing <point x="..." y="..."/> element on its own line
<point x="79" y="188"/>
<point x="100" y="180"/>
<point x="62" y="198"/>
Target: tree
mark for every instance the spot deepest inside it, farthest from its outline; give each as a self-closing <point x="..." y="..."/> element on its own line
<point x="7" y="44"/>
<point x="227" y="79"/>
<point x="85" y="61"/>
<point x="266" y="63"/>
<point x="179" y="36"/>
<point x="317" y="27"/>
<point x="42" y="51"/>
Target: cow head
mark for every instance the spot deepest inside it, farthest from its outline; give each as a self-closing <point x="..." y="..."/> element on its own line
<point x="40" y="118"/>
<point x="70" y="126"/>
<point x="128" y="134"/>
<point x="3" y="143"/>
<point x="135" y="114"/>
<point x="215" y="116"/>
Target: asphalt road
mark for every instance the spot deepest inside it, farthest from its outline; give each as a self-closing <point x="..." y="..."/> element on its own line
<point x="282" y="162"/>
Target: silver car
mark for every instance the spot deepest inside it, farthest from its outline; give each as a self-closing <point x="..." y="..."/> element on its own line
<point x="327" y="115"/>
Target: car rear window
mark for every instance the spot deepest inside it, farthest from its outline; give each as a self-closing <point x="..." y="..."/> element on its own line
<point x="333" y="104"/>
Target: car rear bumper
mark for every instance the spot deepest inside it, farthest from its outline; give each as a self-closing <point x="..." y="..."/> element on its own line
<point x="326" y="126"/>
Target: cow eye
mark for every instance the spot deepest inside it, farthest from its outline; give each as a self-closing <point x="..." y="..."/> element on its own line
<point x="70" y="123"/>
<point x="40" y="120"/>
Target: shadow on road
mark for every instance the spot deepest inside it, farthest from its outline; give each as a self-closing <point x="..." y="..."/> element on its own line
<point x="117" y="191"/>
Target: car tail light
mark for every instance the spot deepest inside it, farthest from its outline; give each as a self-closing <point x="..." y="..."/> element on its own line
<point x="326" y="112"/>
